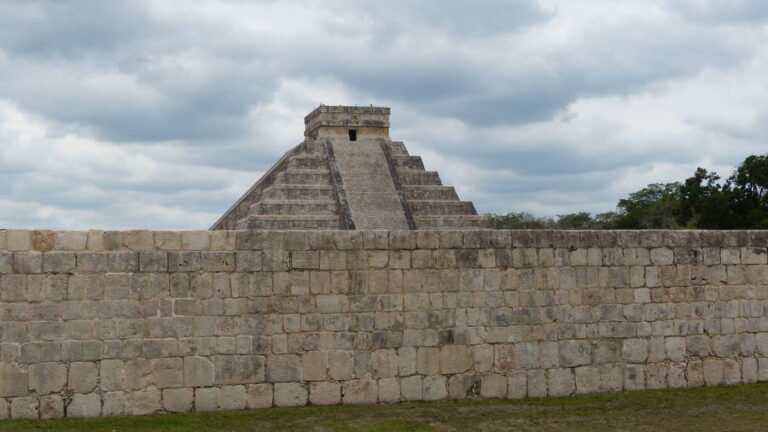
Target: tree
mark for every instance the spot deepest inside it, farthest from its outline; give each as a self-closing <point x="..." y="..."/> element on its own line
<point x="654" y="206"/>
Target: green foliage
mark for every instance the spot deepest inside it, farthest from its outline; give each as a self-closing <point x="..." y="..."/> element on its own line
<point x="702" y="201"/>
<point x="653" y="206"/>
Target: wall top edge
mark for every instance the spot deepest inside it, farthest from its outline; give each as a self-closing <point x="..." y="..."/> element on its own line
<point x="20" y="240"/>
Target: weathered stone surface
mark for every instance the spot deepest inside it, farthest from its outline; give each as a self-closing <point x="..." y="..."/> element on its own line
<point x="324" y="393"/>
<point x="206" y="399"/>
<point x="198" y="371"/>
<point x="290" y="394"/>
<point x="258" y="396"/>
<point x="51" y="406"/>
<point x="116" y="404"/>
<point x="13" y="380"/>
<point x="232" y="397"/>
<point x="84" y="405"/>
<point x="83" y="377"/>
<point x="178" y="400"/>
<point x="24" y="408"/>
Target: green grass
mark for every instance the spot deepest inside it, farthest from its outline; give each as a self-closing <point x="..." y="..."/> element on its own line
<point x="739" y="408"/>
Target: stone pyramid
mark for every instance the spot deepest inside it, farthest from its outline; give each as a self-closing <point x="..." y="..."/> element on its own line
<point x="348" y="174"/>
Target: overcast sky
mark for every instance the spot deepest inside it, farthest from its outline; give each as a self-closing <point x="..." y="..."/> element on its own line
<point x="160" y="114"/>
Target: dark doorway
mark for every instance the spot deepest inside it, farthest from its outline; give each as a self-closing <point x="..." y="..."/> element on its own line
<point x="353" y="134"/>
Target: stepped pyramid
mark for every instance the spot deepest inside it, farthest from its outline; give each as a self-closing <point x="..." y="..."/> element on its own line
<point x="348" y="174"/>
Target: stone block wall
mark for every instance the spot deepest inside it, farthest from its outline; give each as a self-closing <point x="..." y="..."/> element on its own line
<point x="137" y="322"/>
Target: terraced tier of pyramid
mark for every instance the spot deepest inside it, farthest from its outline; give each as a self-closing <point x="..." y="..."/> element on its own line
<point x="348" y="174"/>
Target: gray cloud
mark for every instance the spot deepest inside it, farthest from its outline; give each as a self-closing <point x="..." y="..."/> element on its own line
<point x="160" y="114"/>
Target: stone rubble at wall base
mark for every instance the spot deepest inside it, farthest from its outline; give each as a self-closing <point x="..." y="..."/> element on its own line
<point x="138" y="322"/>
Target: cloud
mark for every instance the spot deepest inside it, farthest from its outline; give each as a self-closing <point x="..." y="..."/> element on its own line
<point x="161" y="113"/>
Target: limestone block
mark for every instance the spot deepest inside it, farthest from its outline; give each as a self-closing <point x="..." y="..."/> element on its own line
<point x="258" y="396"/>
<point x="206" y="399"/>
<point x="248" y="261"/>
<point x="59" y="262"/>
<point x="91" y="262"/>
<point x="324" y="393"/>
<point x="146" y="402"/>
<point x="455" y="359"/>
<point x="389" y="390"/>
<point x="560" y="382"/>
<point x="28" y="262"/>
<point x="167" y="240"/>
<point x="314" y="366"/>
<point x="662" y="256"/>
<point x="463" y="386"/>
<point x="123" y="261"/>
<point x="731" y="372"/>
<point x="51" y="406"/>
<point x="198" y="371"/>
<point x="587" y="379"/>
<point x="411" y="388"/>
<point x="517" y="384"/>
<point x="184" y="261"/>
<point x="434" y="388"/>
<point x="332" y="303"/>
<point x="216" y="261"/>
<point x="138" y="240"/>
<point x="726" y="345"/>
<point x="13" y="380"/>
<point x="384" y="363"/>
<point x="83" y="377"/>
<point x="537" y="383"/>
<point x="634" y="377"/>
<point x="504" y="357"/>
<point x="656" y="376"/>
<point x="428" y="361"/>
<point x="675" y="348"/>
<point x="238" y="369"/>
<point x="635" y="350"/>
<point x="232" y="397"/>
<point x="290" y="394"/>
<point x="749" y="370"/>
<point x="167" y="372"/>
<point x="676" y="375"/>
<point x="18" y="240"/>
<point x="6" y="262"/>
<point x="84" y="405"/>
<point x="493" y="386"/>
<point x="116" y="404"/>
<point x="574" y="353"/>
<point x="5" y="407"/>
<point x="178" y="400"/>
<point x="153" y="261"/>
<point x="195" y="240"/>
<point x="283" y="368"/>
<point x="482" y="357"/>
<point x="24" y="408"/>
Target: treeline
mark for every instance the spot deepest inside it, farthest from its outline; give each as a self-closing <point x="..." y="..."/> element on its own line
<point x="702" y="201"/>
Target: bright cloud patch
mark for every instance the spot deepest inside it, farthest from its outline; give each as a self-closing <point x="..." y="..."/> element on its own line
<point x="159" y="114"/>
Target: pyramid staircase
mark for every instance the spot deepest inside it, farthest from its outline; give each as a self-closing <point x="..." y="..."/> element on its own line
<point x="305" y="190"/>
<point x="432" y="205"/>
<point x="297" y="193"/>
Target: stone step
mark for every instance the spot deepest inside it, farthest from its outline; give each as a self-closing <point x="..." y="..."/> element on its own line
<point x="295" y="207"/>
<point x="312" y="162"/>
<point x="444" y="222"/>
<point x="441" y="207"/>
<point x="301" y="192"/>
<point x="429" y="192"/>
<point x="305" y="176"/>
<point x="408" y="162"/>
<point x="416" y="177"/>
<point x="397" y="148"/>
<point x="290" y="222"/>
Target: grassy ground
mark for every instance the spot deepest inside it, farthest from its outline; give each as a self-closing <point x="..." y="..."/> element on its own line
<point x="741" y="408"/>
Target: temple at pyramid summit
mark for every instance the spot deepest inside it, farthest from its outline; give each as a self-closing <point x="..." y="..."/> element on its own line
<point x="348" y="174"/>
